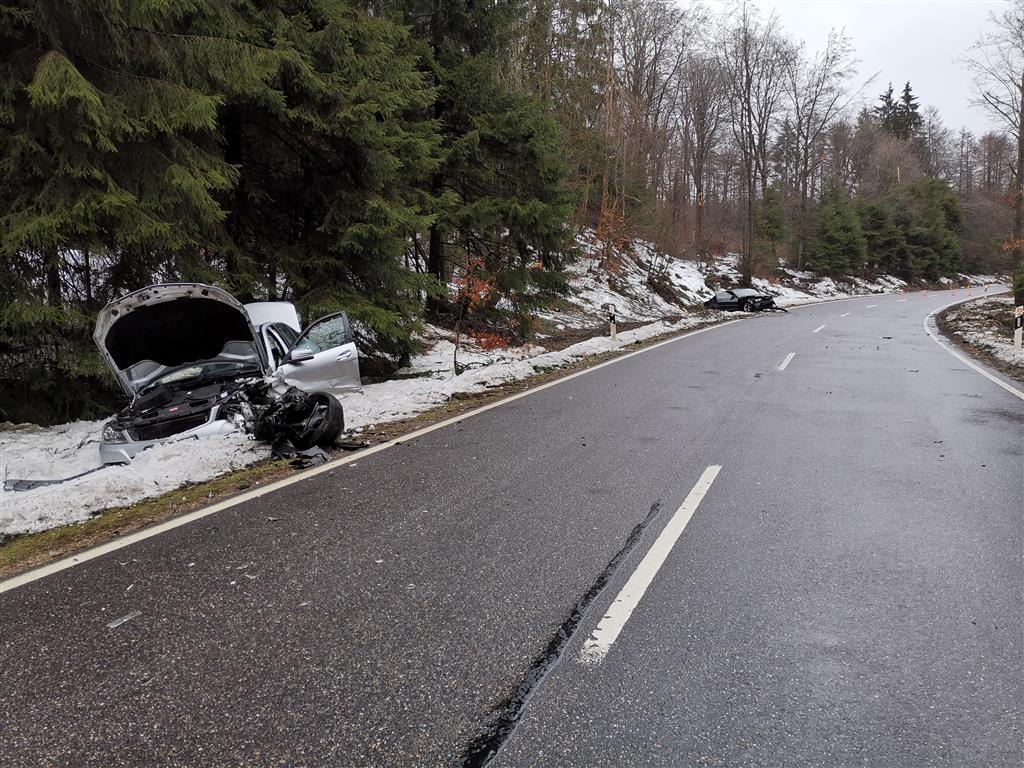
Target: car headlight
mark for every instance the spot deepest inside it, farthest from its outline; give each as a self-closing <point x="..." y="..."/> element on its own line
<point x="113" y="434"/>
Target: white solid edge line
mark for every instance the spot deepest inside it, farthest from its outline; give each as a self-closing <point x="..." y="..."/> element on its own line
<point x="994" y="379"/>
<point x="111" y="546"/>
<point x="785" y="363"/>
<point x="818" y="329"/>
<point x="600" y="641"/>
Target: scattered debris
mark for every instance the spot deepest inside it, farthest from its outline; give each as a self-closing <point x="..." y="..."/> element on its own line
<point x="28" y="485"/>
<point x="124" y="619"/>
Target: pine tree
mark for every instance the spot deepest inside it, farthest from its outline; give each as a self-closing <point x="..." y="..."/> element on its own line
<point x="332" y="150"/>
<point x="771" y="225"/>
<point x="837" y="244"/>
<point x="934" y="222"/>
<point x="908" y="120"/>
<point x="498" y="198"/>
<point x="111" y="169"/>
<point x="885" y="110"/>
<point x="899" y="117"/>
<point x="886" y="244"/>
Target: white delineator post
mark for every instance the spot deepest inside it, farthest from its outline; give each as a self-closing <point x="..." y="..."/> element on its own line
<point x="1018" y="327"/>
<point x="611" y="320"/>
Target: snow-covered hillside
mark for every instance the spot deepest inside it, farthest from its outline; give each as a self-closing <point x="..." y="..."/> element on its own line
<point x="30" y="452"/>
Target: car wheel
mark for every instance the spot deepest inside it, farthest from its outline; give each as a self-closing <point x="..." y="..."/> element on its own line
<point x="325" y="421"/>
<point x="748" y="305"/>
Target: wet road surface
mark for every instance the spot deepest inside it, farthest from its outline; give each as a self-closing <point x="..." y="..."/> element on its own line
<point x="847" y="590"/>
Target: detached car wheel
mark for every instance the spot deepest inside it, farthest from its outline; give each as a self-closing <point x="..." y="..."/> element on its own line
<point x="322" y="425"/>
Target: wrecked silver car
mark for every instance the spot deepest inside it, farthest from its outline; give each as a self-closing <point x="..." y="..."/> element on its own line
<point x="195" y="362"/>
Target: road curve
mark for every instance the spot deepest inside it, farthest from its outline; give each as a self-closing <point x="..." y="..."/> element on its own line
<point x="846" y="591"/>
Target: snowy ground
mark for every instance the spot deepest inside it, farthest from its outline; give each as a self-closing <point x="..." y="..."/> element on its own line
<point x="28" y="452"/>
<point x="986" y="324"/>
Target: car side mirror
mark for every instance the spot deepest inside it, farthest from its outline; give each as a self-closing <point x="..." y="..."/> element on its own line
<point x="298" y="356"/>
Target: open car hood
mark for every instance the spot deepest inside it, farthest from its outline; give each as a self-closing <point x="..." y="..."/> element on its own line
<point x="154" y="330"/>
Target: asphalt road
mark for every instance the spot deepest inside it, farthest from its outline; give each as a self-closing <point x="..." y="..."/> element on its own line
<point x="848" y="591"/>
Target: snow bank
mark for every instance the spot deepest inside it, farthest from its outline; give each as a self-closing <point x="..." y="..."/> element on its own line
<point x="627" y="288"/>
<point x="153" y="472"/>
<point x="57" y="452"/>
<point x="401" y="398"/>
<point x="974" y="324"/>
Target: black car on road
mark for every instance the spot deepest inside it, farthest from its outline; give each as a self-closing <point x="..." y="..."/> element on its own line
<point x="745" y="299"/>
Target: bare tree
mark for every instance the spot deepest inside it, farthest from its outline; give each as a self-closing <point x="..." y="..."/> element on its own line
<point x="651" y="42"/>
<point x="702" y="90"/>
<point x="997" y="61"/>
<point x="817" y="95"/>
<point x="755" y="57"/>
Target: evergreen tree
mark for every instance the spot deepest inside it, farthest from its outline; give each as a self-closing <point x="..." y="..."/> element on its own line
<point x="908" y="121"/>
<point x="111" y="169"/>
<point x="498" y="198"/>
<point x="886" y="244"/>
<point x="899" y="117"/>
<point x="885" y="110"/>
<point x="771" y="225"/>
<point x="933" y="224"/>
<point x="837" y="244"/>
<point x="332" y="149"/>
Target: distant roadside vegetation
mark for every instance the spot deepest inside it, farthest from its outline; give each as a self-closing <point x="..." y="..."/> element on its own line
<point x="408" y="160"/>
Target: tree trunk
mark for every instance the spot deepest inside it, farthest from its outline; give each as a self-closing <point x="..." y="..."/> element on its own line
<point x="1018" y="197"/>
<point x="747" y="266"/>
<point x="435" y="267"/>
<point x="234" y="144"/>
<point x="698" y="214"/>
<point x="52" y="267"/>
<point x="801" y="239"/>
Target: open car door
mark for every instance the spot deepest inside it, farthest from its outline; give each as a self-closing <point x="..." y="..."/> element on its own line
<point x="324" y="358"/>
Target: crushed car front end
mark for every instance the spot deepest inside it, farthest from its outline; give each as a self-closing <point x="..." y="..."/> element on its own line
<point x="193" y="364"/>
<point x="172" y="411"/>
<point x="177" y="350"/>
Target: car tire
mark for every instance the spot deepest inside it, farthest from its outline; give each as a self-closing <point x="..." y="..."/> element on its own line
<point x="748" y="305"/>
<point x="323" y="425"/>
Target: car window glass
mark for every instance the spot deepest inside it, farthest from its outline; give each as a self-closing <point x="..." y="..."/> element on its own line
<point x="323" y="335"/>
<point x="286" y="332"/>
<point x="723" y="295"/>
<point x="277" y="347"/>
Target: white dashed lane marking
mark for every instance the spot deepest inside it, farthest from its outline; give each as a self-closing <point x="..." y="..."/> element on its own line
<point x="787" y="361"/>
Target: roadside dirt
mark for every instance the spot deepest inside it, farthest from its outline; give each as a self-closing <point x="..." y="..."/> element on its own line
<point x="983" y="328"/>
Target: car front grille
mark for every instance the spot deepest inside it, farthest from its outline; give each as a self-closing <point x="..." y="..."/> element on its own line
<point x="164" y="429"/>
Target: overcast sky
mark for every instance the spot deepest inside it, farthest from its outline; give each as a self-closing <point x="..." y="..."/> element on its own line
<point x="902" y="40"/>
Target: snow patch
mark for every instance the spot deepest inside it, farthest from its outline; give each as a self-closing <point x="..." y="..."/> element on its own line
<point x="57" y="452"/>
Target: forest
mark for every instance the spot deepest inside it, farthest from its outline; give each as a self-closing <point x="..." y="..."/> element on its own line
<point x="376" y="156"/>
